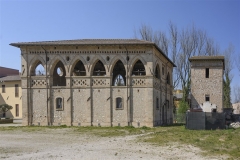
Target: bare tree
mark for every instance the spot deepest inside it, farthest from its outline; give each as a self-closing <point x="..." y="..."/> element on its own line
<point x="146" y="33"/>
<point x="174" y="47"/>
<point x="236" y="92"/>
<point x="179" y="47"/>
<point x="238" y="62"/>
<point x="228" y="54"/>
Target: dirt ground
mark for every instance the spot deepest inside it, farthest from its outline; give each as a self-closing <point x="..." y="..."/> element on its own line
<point x="64" y="143"/>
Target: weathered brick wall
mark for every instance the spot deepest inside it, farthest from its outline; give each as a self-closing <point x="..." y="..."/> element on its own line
<point x="91" y="94"/>
<point x="81" y="107"/>
<point x="212" y="86"/>
<point x="39" y="106"/>
<point x="120" y="116"/>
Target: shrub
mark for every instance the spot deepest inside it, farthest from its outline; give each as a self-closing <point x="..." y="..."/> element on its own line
<point x="4" y="108"/>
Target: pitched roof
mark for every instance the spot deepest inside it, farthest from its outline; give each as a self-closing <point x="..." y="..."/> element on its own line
<point x="11" y="78"/>
<point x="92" y="42"/>
<point x="8" y="71"/>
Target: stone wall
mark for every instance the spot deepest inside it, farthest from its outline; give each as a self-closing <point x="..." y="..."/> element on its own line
<point x="91" y="100"/>
<point x="202" y="86"/>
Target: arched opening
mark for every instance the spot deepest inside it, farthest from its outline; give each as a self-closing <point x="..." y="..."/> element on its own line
<point x="59" y="74"/>
<point x="79" y="69"/>
<point x="119" y="74"/>
<point x="157" y="72"/>
<point x="38" y="70"/>
<point x="168" y="78"/>
<point x="138" y="69"/>
<point x="99" y="69"/>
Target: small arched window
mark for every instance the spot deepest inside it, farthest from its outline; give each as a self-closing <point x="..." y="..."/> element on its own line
<point x="59" y="103"/>
<point x="119" y="104"/>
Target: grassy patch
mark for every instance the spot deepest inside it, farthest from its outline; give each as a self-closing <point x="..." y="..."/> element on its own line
<point x="212" y="142"/>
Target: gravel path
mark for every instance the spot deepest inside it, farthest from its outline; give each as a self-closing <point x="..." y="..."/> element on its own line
<point x="66" y="144"/>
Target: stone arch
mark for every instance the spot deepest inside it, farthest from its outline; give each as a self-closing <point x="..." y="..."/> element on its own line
<point x="78" y="68"/>
<point x="34" y="63"/>
<point x="59" y="74"/>
<point x="138" y="68"/>
<point x="94" y="61"/>
<point x="98" y="69"/>
<point x="133" y="61"/>
<point x="119" y="74"/>
<point x="115" y="60"/>
<point x="53" y="63"/>
<point x="76" y="58"/>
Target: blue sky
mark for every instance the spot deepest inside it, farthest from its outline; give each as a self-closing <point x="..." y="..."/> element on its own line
<point x="40" y="20"/>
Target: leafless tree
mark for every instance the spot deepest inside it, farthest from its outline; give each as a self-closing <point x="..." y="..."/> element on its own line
<point x="238" y="62"/>
<point x="174" y="48"/>
<point x="228" y="56"/>
<point x="236" y="92"/>
<point x="179" y="46"/>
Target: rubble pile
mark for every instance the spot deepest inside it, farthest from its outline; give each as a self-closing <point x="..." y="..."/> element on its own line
<point x="235" y="125"/>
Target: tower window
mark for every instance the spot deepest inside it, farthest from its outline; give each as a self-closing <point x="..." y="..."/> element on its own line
<point x="207" y="72"/>
<point x="207" y="98"/>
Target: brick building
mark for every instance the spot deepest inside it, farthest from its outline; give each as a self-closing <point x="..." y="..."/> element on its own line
<point x="99" y="82"/>
<point x="207" y="81"/>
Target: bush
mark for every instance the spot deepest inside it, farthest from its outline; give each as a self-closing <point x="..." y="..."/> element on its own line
<point x="4" y="108"/>
<point x="181" y="112"/>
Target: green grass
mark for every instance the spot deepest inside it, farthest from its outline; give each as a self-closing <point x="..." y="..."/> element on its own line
<point x="211" y="142"/>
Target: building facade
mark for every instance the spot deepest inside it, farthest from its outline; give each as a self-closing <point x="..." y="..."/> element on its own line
<point x="11" y="92"/>
<point x="96" y="82"/>
<point x="207" y="81"/>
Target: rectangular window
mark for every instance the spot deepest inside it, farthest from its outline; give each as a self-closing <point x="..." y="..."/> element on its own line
<point x="16" y="90"/>
<point x="157" y="103"/>
<point x="17" y="110"/>
<point x="207" y="98"/>
<point x="119" y="103"/>
<point x="162" y="70"/>
<point x="3" y="89"/>
<point x="207" y="72"/>
<point x="59" y="103"/>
